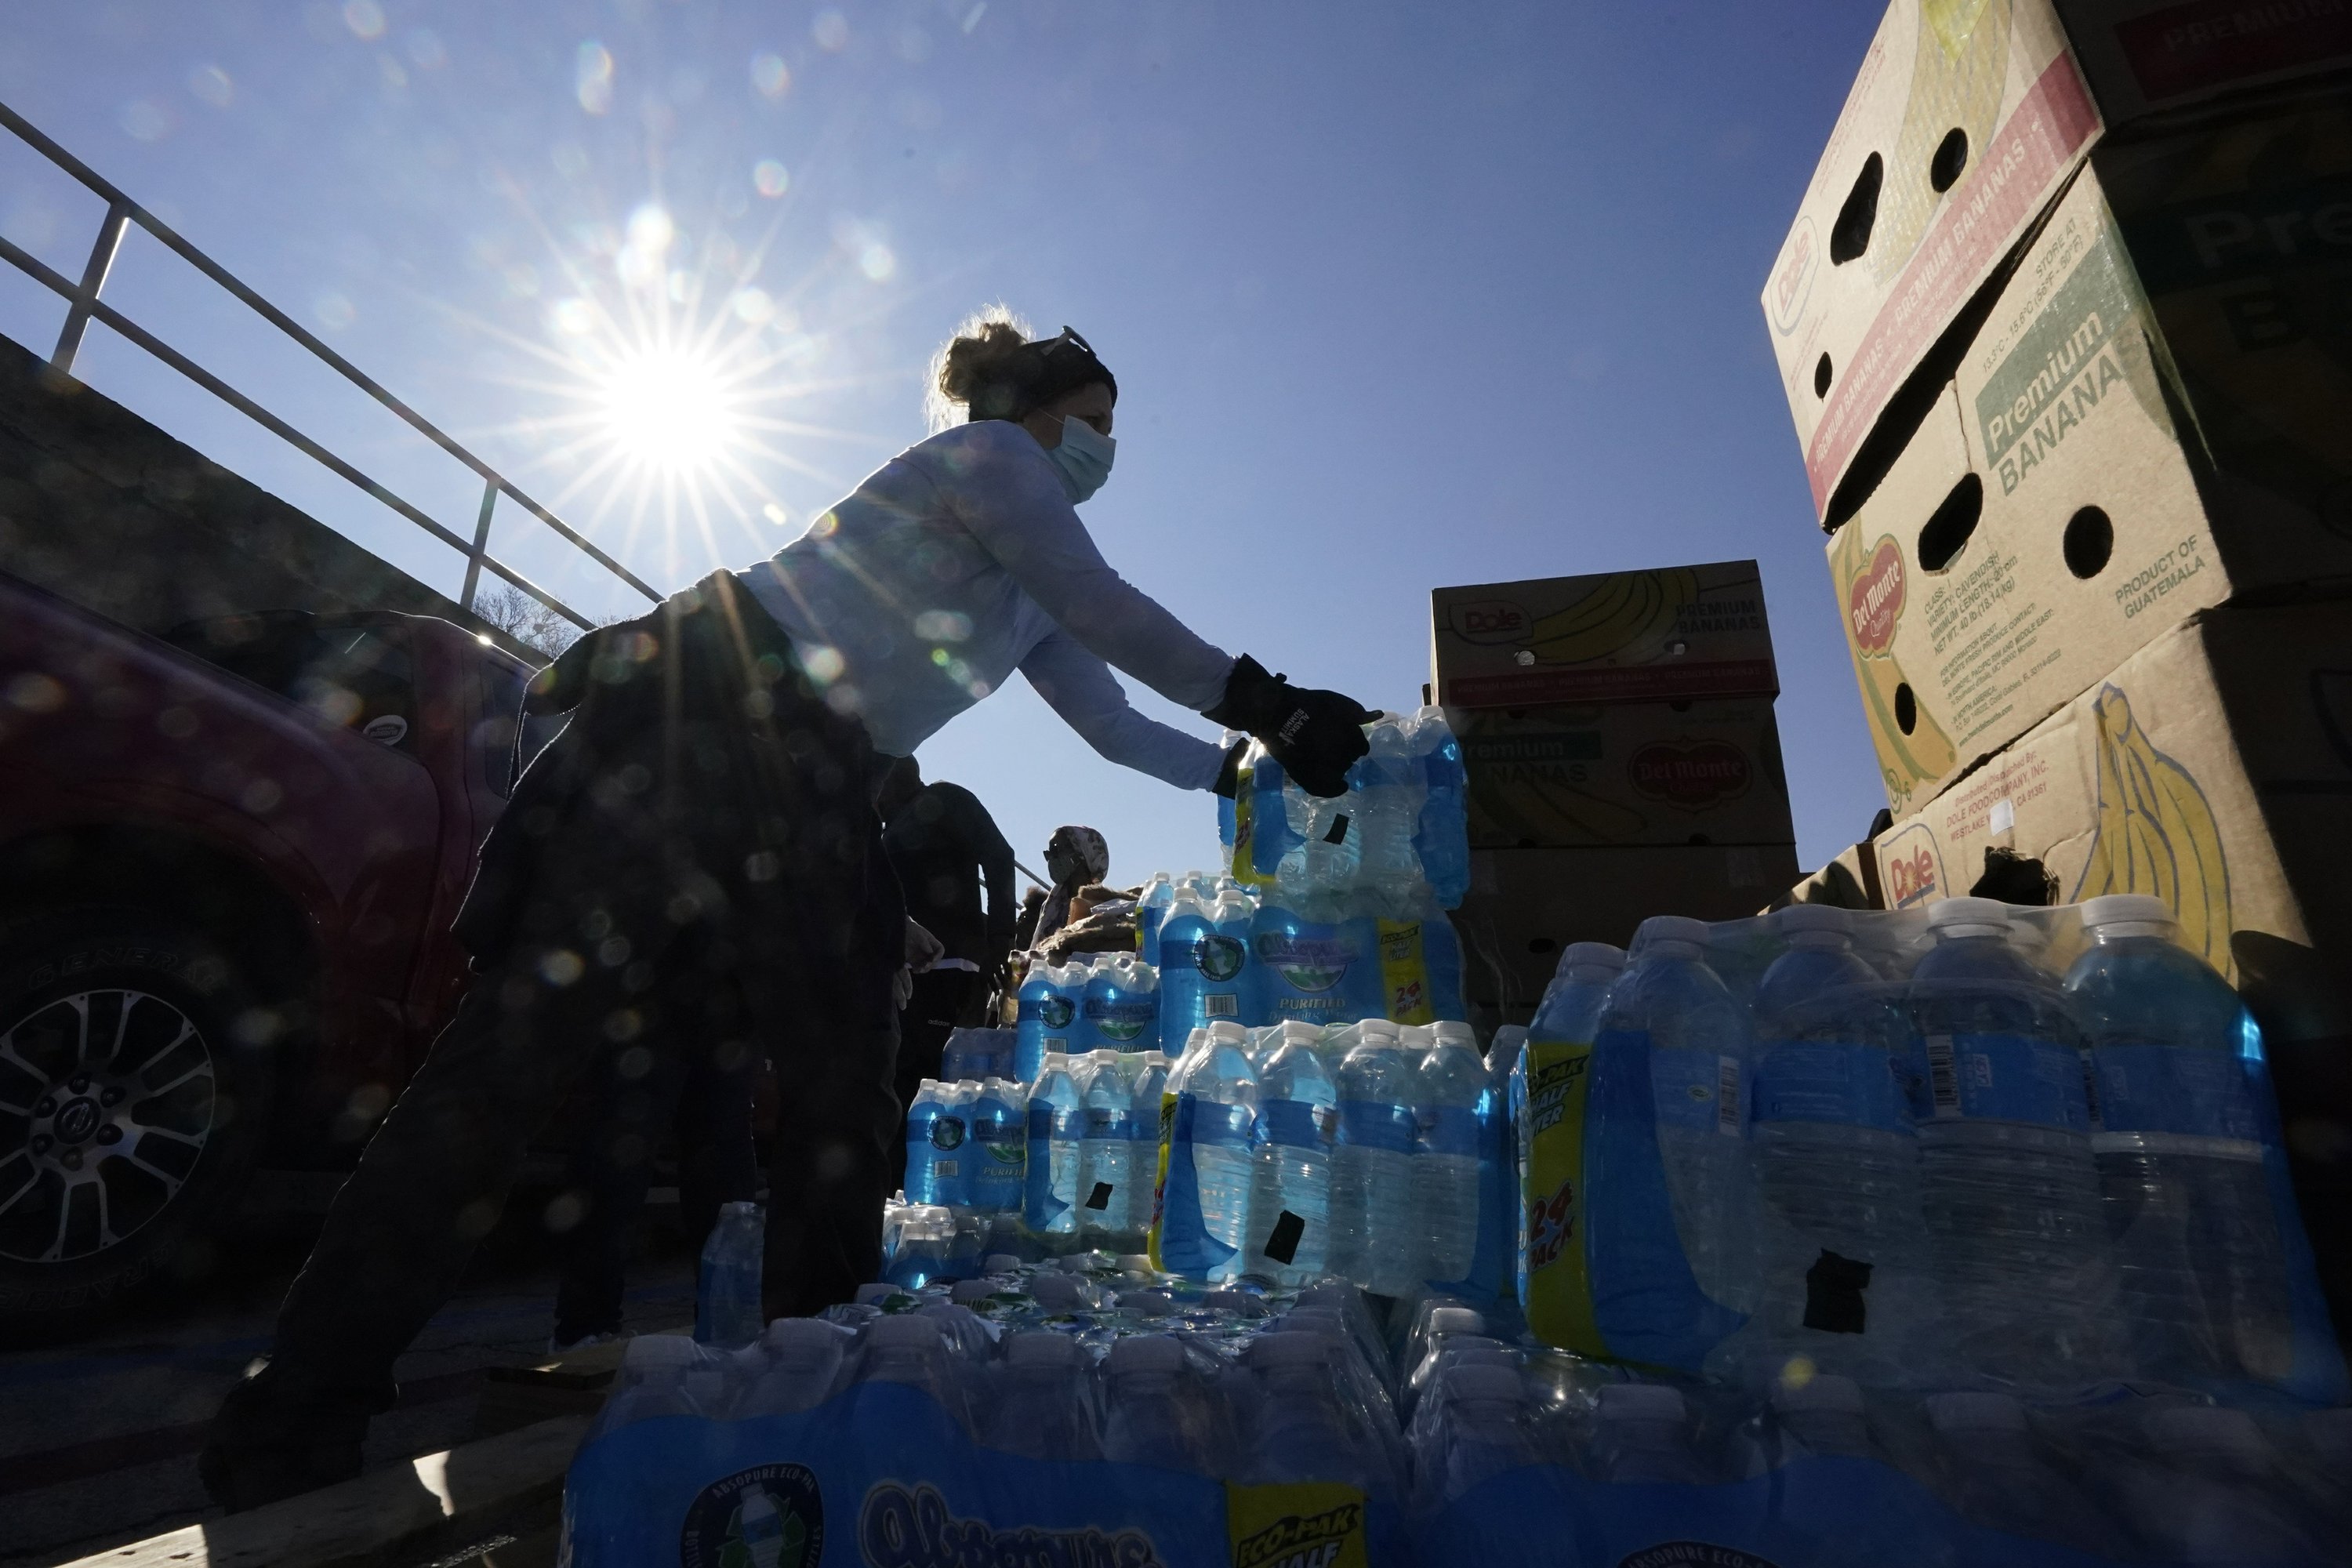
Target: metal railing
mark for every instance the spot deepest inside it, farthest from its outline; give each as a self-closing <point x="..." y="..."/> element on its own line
<point x="84" y="306"/>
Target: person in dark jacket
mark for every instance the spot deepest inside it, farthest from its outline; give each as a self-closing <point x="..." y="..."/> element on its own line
<point x="702" y="836"/>
<point x="945" y="849"/>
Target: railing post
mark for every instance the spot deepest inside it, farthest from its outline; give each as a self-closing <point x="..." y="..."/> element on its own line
<point x="481" y="543"/>
<point x="93" y="279"/>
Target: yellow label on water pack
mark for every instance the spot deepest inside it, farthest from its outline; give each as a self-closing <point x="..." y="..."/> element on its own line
<point x="1304" y="1524"/>
<point x="1245" y="870"/>
<point x="1159" y="1177"/>
<point x="1405" y="973"/>
<point x="1559" y="1286"/>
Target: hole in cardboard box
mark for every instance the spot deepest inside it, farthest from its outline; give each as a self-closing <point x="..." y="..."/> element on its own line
<point x="1541" y="945"/>
<point x="1951" y="156"/>
<point x="1947" y="530"/>
<point x="1821" y="376"/>
<point x="1849" y="236"/>
<point x="2089" y="540"/>
<point x="1698" y="839"/>
<point x="1906" y="709"/>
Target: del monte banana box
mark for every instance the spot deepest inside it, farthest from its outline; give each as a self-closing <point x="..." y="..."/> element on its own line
<point x="2060" y="508"/>
<point x="1701" y="771"/>
<point x="1613" y="636"/>
<point x="1965" y="120"/>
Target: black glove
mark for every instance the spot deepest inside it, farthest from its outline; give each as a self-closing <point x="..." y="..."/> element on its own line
<point x="1229" y="777"/>
<point x="1316" y="735"/>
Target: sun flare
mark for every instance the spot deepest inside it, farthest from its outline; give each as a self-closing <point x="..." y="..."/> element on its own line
<point x="669" y="410"/>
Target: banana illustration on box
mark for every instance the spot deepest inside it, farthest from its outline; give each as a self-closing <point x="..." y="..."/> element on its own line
<point x="2157" y="833"/>
<point x="1628" y="618"/>
<point x="1873" y="586"/>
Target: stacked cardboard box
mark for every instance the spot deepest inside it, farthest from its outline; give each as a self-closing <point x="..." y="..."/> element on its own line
<point x="1617" y="732"/>
<point x="2077" y="415"/>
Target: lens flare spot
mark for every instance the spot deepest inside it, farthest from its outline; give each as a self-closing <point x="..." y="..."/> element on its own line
<point x="770" y="76"/>
<point x="364" y="18"/>
<point x="876" y="262"/>
<point x="770" y="178"/>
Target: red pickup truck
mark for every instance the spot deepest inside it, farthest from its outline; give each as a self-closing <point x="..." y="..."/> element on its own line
<point x="228" y="861"/>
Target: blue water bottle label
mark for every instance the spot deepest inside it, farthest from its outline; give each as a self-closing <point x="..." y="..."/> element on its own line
<point x="1215" y="1123"/>
<point x="1295" y="1124"/>
<point x="1446" y="1130"/>
<point x="1846" y="1083"/>
<point x="1120" y="1022"/>
<point x="1369" y="1124"/>
<point x="2145" y="1086"/>
<point x="1106" y="1125"/>
<point x="2007" y="1077"/>
<point x="1698" y="1089"/>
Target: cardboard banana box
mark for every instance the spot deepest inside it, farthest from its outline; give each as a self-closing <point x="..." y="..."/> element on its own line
<point x="1613" y="636"/>
<point x="2213" y="768"/>
<point x="1848" y="883"/>
<point x="2066" y="502"/>
<point x="1966" y="118"/>
<point x="1526" y="905"/>
<point x="1700" y="772"/>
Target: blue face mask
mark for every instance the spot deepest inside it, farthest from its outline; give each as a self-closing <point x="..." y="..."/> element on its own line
<point x="1083" y="457"/>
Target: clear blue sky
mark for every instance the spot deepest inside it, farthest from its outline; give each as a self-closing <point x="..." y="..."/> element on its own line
<point x="1398" y="295"/>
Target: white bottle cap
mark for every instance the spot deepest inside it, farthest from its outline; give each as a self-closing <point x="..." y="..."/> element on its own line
<point x="1379" y="1028"/>
<point x="1457" y="1320"/>
<point x="1475" y="1381"/>
<point x="1597" y="955"/>
<point x="1001" y="1263"/>
<point x="1042" y="1347"/>
<point x="1969" y="917"/>
<point x="880" y="1290"/>
<point x="1822" y="1391"/>
<point x="904" y="1331"/>
<point x="2128" y="914"/>
<point x="1228" y="1034"/>
<point x="1670" y="928"/>
<point x="1416" y="1037"/>
<point x="1144" y="1353"/>
<point x="964" y="1292"/>
<point x="1643" y="1401"/>
<point x="1103" y="1056"/>
<point x="1975" y="1413"/>
<point x="1450" y="1032"/>
<point x="650" y="1351"/>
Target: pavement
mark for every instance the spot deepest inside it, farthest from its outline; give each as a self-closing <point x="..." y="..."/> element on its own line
<point x="98" y="1430"/>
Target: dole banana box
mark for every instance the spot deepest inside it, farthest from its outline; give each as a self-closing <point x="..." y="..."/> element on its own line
<point x="1526" y="905"/>
<point x="1698" y="772"/>
<point x="1848" y="883"/>
<point x="1965" y="120"/>
<point x="2061" y="507"/>
<point x="1673" y="633"/>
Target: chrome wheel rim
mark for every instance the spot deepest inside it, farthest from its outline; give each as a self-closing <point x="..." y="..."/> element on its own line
<point x="107" y="1098"/>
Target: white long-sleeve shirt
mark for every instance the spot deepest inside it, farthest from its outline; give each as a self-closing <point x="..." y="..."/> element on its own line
<point x="961" y="560"/>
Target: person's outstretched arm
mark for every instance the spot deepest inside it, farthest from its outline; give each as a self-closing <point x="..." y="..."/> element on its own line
<point x="1082" y="689"/>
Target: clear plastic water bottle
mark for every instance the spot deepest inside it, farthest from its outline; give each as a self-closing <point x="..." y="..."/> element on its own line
<point x="727" y="1308"/>
<point x="1106" y="1185"/>
<point x="1641" y="1434"/>
<point x="1569" y="1013"/>
<point x="911" y="1350"/>
<point x="1994" y="1474"/>
<point x="1204" y="954"/>
<point x="1441" y="833"/>
<point x="1044" y="1404"/>
<point x="799" y="1370"/>
<point x="1048" y="1009"/>
<point x="1159" y="1411"/>
<point x="1224" y="1091"/>
<point x="1844" y="1271"/>
<point x="1670" y="1010"/>
<point x="1443" y="1326"/>
<point x="1386" y="789"/>
<point x="1375" y="1240"/>
<point x="1823" y="1418"/>
<point x="1449" y="1087"/>
<point x="2008" y="1186"/>
<point x="1121" y="1010"/>
<point x="1290" y="1201"/>
<point x="1151" y="909"/>
<point x="1484" y="1428"/>
<point x="922" y="1118"/>
<point x="1149" y="1079"/>
<point x="654" y="1369"/>
<point x="1501" y="1209"/>
<point x="1300" y="1429"/>
<point x="2180" y="1150"/>
<point x="925" y="1246"/>
<point x="2207" y="1487"/>
<point x="996" y="1148"/>
<point x="1049" y="1207"/>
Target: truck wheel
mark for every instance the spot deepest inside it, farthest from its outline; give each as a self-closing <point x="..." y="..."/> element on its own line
<point x="129" y="1113"/>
